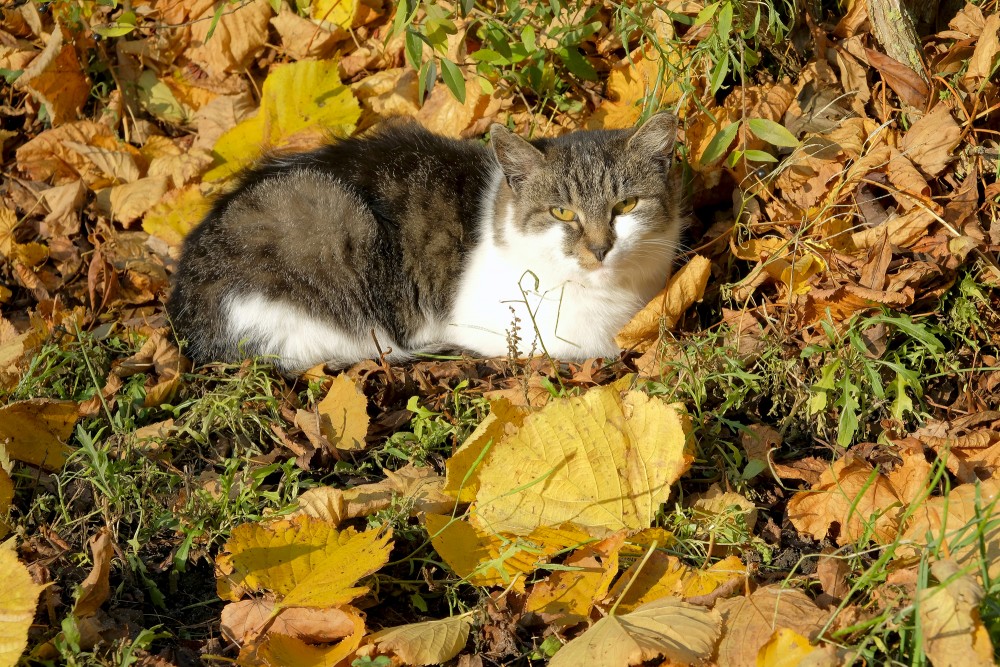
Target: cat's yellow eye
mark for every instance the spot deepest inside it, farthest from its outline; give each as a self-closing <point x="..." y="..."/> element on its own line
<point x="626" y="205"/>
<point x="564" y="214"/>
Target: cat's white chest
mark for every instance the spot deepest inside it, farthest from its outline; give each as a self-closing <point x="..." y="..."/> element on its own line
<point x="528" y="291"/>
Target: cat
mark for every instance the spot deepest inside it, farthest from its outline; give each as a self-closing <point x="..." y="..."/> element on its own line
<point x="404" y="242"/>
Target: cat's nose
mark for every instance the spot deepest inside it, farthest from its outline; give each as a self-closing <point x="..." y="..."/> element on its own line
<point x="600" y="251"/>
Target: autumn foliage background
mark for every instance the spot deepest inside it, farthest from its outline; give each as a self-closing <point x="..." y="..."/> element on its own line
<point x="795" y="460"/>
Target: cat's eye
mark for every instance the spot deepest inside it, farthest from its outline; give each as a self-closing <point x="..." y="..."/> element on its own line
<point x="625" y="205"/>
<point x="564" y="214"/>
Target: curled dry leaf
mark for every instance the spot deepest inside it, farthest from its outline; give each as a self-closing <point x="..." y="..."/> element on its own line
<point x="930" y="142"/>
<point x="683" y="633"/>
<point x="427" y="643"/>
<point x="685" y="287"/>
<point x="983" y="63"/>
<point x="17" y="608"/>
<point x="953" y="635"/>
<point x="604" y="461"/>
<point x="242" y="622"/>
<point x="749" y="622"/>
<point x="96" y="588"/>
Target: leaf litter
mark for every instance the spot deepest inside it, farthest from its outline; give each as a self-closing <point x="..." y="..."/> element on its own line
<point x="808" y="401"/>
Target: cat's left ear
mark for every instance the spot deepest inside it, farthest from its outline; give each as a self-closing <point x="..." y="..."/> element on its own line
<point x="656" y="138"/>
<point x="517" y="157"/>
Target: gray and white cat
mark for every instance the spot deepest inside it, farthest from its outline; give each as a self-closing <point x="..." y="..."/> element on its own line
<point x="424" y="244"/>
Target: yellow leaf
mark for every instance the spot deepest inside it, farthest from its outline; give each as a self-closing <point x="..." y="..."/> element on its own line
<point x="427" y="643"/>
<point x="176" y="214"/>
<point x="953" y="635"/>
<point x="634" y="82"/>
<point x="662" y="575"/>
<point x="603" y="461"/>
<point x="665" y="309"/>
<point x="56" y="79"/>
<point x="338" y="12"/>
<point x="6" y="497"/>
<point x="683" y="633"/>
<point x="462" y="469"/>
<point x="567" y="596"/>
<point x="131" y="200"/>
<point x="17" y="607"/>
<point x="344" y="414"/>
<point x="301" y="105"/>
<point x="304" y="560"/>
<point x="35" y="431"/>
<point x="785" y="648"/>
<point x="285" y="651"/>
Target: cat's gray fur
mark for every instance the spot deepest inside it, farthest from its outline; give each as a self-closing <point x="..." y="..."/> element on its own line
<point x="373" y="235"/>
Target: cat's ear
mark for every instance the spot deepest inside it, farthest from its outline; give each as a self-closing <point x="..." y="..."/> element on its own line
<point x="656" y="138"/>
<point x="517" y="158"/>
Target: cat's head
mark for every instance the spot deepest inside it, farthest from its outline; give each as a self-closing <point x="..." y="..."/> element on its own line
<point x="601" y="195"/>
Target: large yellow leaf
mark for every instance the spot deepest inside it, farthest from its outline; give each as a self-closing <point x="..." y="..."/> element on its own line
<point x="35" y="431"/>
<point x="306" y="561"/>
<point x="17" y="607"/>
<point x="463" y="468"/>
<point x="683" y="633"/>
<point x="427" y="643"/>
<point x="176" y="214"/>
<point x="604" y="461"/>
<point x="344" y="414"/>
<point x="301" y="105"/>
<point x="953" y="634"/>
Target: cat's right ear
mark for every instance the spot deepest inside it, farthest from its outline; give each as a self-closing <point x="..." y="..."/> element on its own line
<point x="517" y="158"/>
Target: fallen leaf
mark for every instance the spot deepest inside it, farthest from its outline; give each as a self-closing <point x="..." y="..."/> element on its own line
<point x="427" y="643"/>
<point x="302" y="38"/>
<point x="96" y="588"/>
<point x="286" y="651"/>
<point x="662" y="575"/>
<point x="63" y="203"/>
<point x="685" y="287"/>
<point x="984" y="59"/>
<point x="603" y="461"/>
<point x="242" y="621"/>
<point x="56" y="79"/>
<point x="237" y="37"/>
<point x="910" y="87"/>
<point x="301" y="105"/>
<point x="785" y="648"/>
<point x="176" y="214"/>
<point x="323" y="502"/>
<point x="48" y="157"/>
<point x="635" y="83"/>
<point x="952" y="633"/>
<point x="420" y="486"/>
<point x="130" y="200"/>
<point x="17" y="610"/>
<point x="344" y="414"/>
<point x="683" y="633"/>
<point x="35" y="431"/>
<point x="931" y="141"/>
<point x="749" y="622"/>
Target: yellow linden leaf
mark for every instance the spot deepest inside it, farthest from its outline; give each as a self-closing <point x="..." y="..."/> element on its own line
<point x="301" y="105"/>
<point x="662" y="575"/>
<point x="604" y="461"/>
<point x="306" y="561"/>
<point x="785" y="648"/>
<point x="484" y="559"/>
<point x="427" y="643"/>
<point x="567" y="596"/>
<point x="665" y="309"/>
<point x="344" y="414"/>
<point x="338" y="12"/>
<point x="176" y="214"/>
<point x="17" y="608"/>
<point x="462" y="469"/>
<point x="289" y="651"/>
<point x="35" y="431"/>
<point x="683" y="633"/>
<point x="952" y="631"/>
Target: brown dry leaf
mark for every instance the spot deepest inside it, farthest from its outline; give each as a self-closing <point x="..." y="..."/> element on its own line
<point x="850" y="494"/>
<point x="323" y="502"/>
<point x="386" y="94"/>
<point x="48" y="156"/>
<point x="419" y="485"/>
<point x="239" y="37"/>
<point x="984" y="59"/>
<point x="954" y="522"/>
<point x="304" y="38"/>
<point x="162" y="361"/>
<point x="243" y="620"/>
<point x="904" y="176"/>
<point x="130" y="200"/>
<point x="749" y="622"/>
<point x="970" y="446"/>
<point x="930" y="142"/>
<point x="56" y="79"/>
<point x="344" y="414"/>
<point x="109" y="164"/>
<point x="427" y="643"/>
<point x="219" y="116"/>
<point x="910" y="87"/>
<point x="715" y="509"/>
<point x="686" y="287"/>
<point x="35" y="431"/>
<point x="758" y="440"/>
<point x="661" y="575"/>
<point x="607" y="460"/>
<point x="953" y="635"/>
<point x="63" y="203"/>
<point x="96" y="588"/>
<point x="681" y="632"/>
<point x="567" y="596"/>
<point x="180" y="168"/>
<point x="444" y="114"/>
<point x="902" y="230"/>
